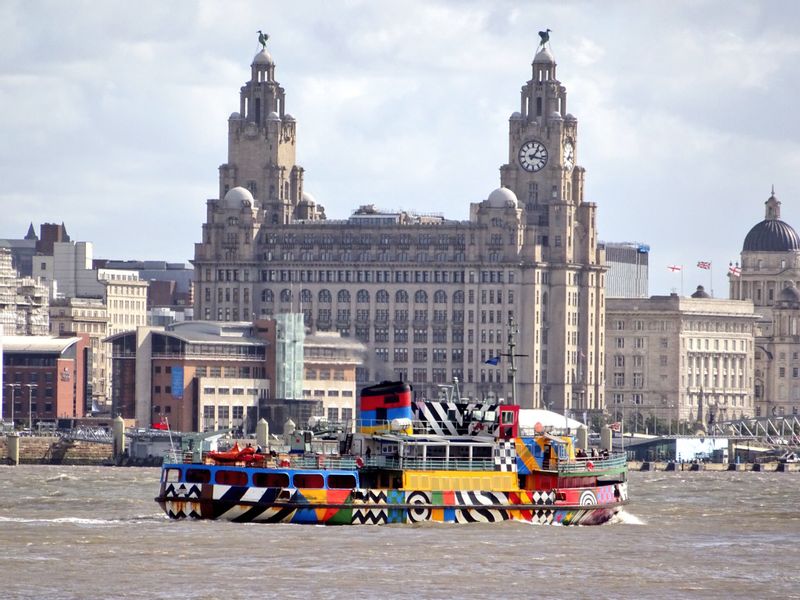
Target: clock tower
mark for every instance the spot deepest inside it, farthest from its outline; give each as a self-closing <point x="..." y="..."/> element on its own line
<point x="262" y="139"/>
<point x="561" y="239"/>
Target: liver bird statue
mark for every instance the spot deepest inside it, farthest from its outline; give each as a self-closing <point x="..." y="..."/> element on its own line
<point x="545" y="37"/>
<point x="263" y="37"/>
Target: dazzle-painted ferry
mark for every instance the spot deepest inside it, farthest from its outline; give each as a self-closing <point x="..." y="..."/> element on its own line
<point x="408" y="462"/>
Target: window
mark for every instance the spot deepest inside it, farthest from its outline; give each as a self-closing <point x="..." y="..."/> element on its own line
<point x="309" y="480"/>
<point x="231" y="477"/>
<point x="341" y="482"/>
<point x="198" y="476"/>
<point x="279" y="480"/>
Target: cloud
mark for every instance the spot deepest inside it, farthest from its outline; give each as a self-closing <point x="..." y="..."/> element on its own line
<point x="115" y="114"/>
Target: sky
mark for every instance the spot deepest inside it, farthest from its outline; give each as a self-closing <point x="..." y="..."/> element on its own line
<point x="113" y="115"/>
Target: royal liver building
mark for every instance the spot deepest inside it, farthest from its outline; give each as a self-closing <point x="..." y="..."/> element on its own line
<point x="433" y="299"/>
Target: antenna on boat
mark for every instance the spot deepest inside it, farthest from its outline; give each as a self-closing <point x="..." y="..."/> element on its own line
<point x="512" y="343"/>
<point x="171" y="446"/>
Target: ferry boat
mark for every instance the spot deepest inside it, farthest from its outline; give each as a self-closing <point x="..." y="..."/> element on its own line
<point x="408" y="462"/>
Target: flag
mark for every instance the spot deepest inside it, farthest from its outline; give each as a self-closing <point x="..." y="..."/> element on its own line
<point x="493" y="360"/>
<point x="674" y="268"/>
<point x="734" y="271"/>
<point x="615" y="426"/>
<point x="703" y="264"/>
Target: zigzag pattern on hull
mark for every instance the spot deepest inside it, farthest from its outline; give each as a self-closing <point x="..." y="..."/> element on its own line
<point x="374" y="516"/>
<point x="175" y="510"/>
<point x="182" y="490"/>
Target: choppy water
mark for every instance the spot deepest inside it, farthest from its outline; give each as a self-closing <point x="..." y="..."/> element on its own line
<point x="86" y="532"/>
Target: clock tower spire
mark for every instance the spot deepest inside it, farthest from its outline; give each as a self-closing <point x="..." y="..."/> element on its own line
<point x="560" y="238"/>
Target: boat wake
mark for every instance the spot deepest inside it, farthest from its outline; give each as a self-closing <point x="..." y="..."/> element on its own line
<point x="61" y="477"/>
<point x="625" y="518"/>
<point x="84" y="521"/>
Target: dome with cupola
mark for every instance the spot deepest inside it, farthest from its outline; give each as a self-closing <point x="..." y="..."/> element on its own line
<point x="772" y="234"/>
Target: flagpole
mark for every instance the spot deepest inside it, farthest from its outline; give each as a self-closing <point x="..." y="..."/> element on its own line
<point x="711" y="278"/>
<point x="681" y="280"/>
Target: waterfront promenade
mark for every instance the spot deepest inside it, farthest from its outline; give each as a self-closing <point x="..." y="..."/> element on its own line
<point x="46" y="450"/>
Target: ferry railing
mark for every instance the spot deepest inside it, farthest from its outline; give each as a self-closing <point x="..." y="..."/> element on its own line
<point x="443" y="464"/>
<point x="593" y="465"/>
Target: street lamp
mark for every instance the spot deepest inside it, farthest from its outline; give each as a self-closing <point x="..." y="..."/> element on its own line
<point x="30" y="387"/>
<point x="13" y="386"/>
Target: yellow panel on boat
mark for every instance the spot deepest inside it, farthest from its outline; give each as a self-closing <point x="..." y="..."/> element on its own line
<point x="489" y="481"/>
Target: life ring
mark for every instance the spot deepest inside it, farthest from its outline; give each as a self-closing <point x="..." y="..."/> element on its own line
<point x="590" y="466"/>
<point x="359" y="462"/>
<point x="285" y="462"/>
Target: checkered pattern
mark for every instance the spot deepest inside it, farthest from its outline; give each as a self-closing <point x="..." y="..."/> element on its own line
<point x="543" y="498"/>
<point x="505" y="456"/>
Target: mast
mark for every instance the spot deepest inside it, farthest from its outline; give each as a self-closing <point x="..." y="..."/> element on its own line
<point x="512" y="344"/>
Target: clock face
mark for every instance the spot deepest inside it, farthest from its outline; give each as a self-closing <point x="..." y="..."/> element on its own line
<point x="532" y="156"/>
<point x="569" y="155"/>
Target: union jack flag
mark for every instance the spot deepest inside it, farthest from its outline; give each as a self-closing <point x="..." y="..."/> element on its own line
<point x="703" y="264"/>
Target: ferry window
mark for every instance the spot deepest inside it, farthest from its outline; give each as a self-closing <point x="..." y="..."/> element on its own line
<point x="482" y="452"/>
<point x="231" y="477"/>
<point x="198" y="475"/>
<point x="271" y="480"/>
<point x="508" y="416"/>
<point x="309" y="480"/>
<point x="172" y="475"/>
<point x="341" y="482"/>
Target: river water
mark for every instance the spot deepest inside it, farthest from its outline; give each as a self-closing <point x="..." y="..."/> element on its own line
<point x="95" y="532"/>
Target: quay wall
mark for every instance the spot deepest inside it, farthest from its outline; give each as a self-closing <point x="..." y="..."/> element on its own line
<point x="48" y="450"/>
<point x="770" y="467"/>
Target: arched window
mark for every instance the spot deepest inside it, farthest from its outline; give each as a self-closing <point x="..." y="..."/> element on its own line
<point x="305" y="295"/>
<point x="343" y="296"/>
<point x="401" y="297"/>
<point x="362" y="296"/>
<point x="324" y="296"/>
<point x="421" y="297"/>
<point x="286" y="295"/>
<point x="458" y="297"/>
<point x="440" y="297"/>
<point x="266" y="296"/>
<point x="382" y="297"/>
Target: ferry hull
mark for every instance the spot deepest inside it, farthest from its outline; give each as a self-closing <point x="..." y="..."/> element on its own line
<point x="381" y="506"/>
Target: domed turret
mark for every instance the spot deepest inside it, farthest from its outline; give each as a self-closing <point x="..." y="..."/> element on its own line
<point x="544" y="56"/>
<point x="790" y="294"/>
<point x="502" y="198"/>
<point x="238" y="197"/>
<point x="701" y="293"/>
<point x="263" y="58"/>
<point x="772" y="234"/>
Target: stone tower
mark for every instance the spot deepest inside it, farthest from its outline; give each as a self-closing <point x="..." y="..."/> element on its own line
<point x="262" y="140"/>
<point x="561" y="233"/>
